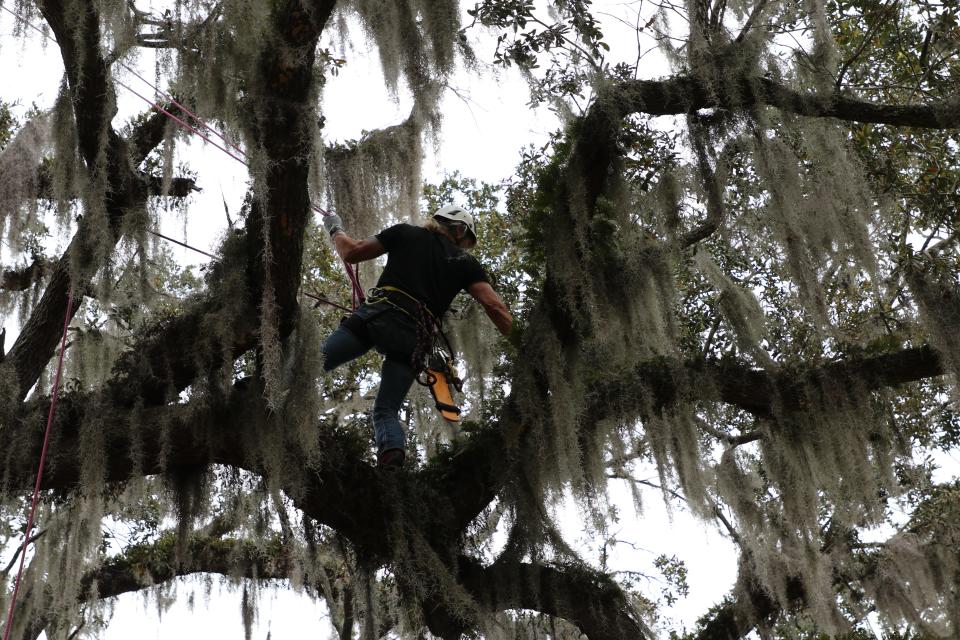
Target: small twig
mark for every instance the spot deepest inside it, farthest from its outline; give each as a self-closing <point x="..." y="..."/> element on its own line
<point x="226" y="210"/>
<point x="929" y="239"/>
<point x="942" y="244"/>
<point x="73" y="634"/>
<point x="868" y="545"/>
<point x="708" y="343"/>
<point x="16" y="554"/>
<point x="734" y="535"/>
<point x="286" y="530"/>
<point x="648" y="483"/>
<point x="748" y="25"/>
<point x="863" y="45"/>
<point x="593" y="63"/>
<point x="718" y="513"/>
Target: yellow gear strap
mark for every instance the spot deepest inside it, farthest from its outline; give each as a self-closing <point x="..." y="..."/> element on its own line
<point x="398" y="307"/>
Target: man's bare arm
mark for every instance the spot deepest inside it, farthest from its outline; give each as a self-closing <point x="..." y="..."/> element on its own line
<point x="493" y="305"/>
<point x="354" y="251"/>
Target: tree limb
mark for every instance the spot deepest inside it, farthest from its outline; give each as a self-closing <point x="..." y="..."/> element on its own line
<point x="587" y="598"/>
<point x="282" y="84"/>
<point x="25" y="277"/>
<point x="685" y="94"/>
<point x="147" y="565"/>
<point x="176" y="187"/>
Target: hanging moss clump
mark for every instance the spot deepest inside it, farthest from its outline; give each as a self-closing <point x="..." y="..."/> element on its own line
<point x="20" y="162"/>
<point x="414" y="38"/>
<point x="376" y="179"/>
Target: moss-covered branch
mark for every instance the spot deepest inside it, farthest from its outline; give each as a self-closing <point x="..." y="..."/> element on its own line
<point x="23" y="278"/>
<point x="283" y="86"/>
<point x="685" y="94"/>
<point x="151" y="564"/>
<point x="345" y="492"/>
<point x="578" y="594"/>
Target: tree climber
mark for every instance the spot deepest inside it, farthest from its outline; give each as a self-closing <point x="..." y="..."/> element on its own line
<point x="426" y="268"/>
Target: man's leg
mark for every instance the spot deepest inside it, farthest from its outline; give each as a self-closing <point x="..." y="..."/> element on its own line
<point x="342" y="346"/>
<point x="395" y="380"/>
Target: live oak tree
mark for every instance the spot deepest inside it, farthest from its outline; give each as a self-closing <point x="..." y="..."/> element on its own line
<point x="743" y="273"/>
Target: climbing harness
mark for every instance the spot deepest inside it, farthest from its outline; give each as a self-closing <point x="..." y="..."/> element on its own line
<point x="432" y="358"/>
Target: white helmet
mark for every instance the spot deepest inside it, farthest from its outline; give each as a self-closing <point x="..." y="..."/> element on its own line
<point x="453" y="213"/>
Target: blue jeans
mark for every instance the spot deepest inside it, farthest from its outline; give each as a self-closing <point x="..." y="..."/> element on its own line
<point x="394" y="335"/>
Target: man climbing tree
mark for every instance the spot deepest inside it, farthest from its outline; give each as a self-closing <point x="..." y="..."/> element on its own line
<point x="426" y="268"/>
<point x="737" y="272"/>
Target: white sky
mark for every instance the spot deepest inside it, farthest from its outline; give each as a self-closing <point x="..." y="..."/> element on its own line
<point x="481" y="137"/>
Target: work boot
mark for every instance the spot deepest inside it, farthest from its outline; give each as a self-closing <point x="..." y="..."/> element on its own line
<point x="391" y="459"/>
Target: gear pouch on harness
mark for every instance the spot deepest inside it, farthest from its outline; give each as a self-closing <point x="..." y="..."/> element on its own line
<point x="442" y="378"/>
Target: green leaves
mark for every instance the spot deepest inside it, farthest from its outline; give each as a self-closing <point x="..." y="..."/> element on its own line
<point x="573" y="34"/>
<point x="7" y="124"/>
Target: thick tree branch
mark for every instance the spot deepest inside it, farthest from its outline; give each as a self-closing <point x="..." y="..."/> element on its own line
<point x="763" y="393"/>
<point x="147" y="565"/>
<point x="474" y="473"/>
<point x="25" y="277"/>
<point x="150" y="132"/>
<point x="344" y="492"/>
<point x="283" y="88"/>
<point x="178" y="187"/>
<point x="587" y="598"/>
<point x="759" y="392"/>
<point x="685" y="94"/>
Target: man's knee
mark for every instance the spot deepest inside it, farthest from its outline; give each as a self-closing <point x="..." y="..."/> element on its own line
<point x="343" y="345"/>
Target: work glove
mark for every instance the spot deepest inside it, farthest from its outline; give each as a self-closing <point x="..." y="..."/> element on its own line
<point x="332" y="223"/>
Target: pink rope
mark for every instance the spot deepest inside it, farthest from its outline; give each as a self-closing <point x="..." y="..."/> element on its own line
<point x="43" y="457"/>
<point x="354" y="281"/>
<point x="182" y="123"/>
<point x="190" y="113"/>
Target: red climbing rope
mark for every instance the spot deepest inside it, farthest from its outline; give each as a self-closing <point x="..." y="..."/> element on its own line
<point x="43" y="457"/>
<point x="182" y="123"/>
<point x="184" y="109"/>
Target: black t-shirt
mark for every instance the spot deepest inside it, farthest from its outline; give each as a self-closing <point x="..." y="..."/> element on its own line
<point x="427" y="265"/>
